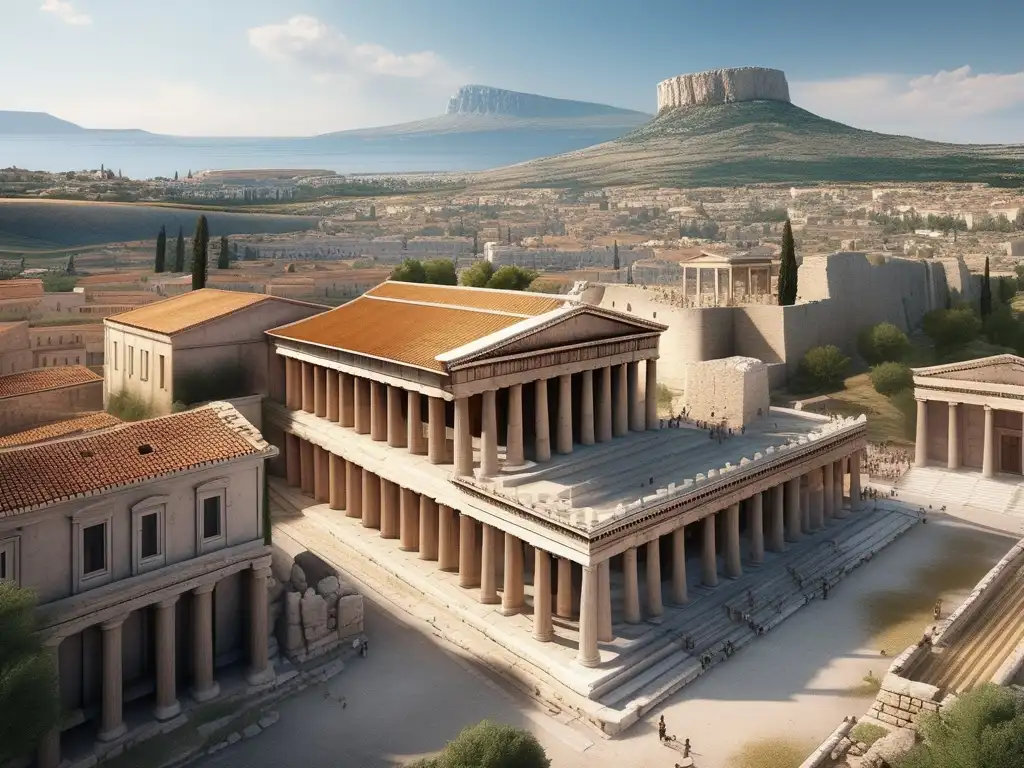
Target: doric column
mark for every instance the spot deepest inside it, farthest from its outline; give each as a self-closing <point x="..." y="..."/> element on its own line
<point x="679" y="591"/>
<point x="321" y="472"/>
<point x="378" y="411"/>
<point x="630" y="587"/>
<point x="777" y="539"/>
<point x="563" y="589"/>
<point x="167" y="706"/>
<point x="953" y="440"/>
<point x="437" y="437"/>
<point x="708" y="555"/>
<point x="468" y="575"/>
<point x="319" y="390"/>
<point x="512" y="595"/>
<point x="292" y="383"/>
<point x="620" y="412"/>
<point x="336" y="479"/>
<point x="755" y="522"/>
<point x="488" y="573"/>
<point x="542" y="434"/>
<point x="347" y="398"/>
<point x="855" y="480"/>
<point x="353" y="490"/>
<point x="829" y="493"/>
<point x="588" y="654"/>
<point x="514" y="456"/>
<point x="542" y="627"/>
<point x="261" y="671"/>
<point x="463" y="438"/>
<point x="447" y="555"/>
<point x="48" y="752"/>
<point x="371" y="500"/>
<point x="361" y="404"/>
<point x="390" y="526"/>
<point x="605" y="632"/>
<point x="564" y="437"/>
<point x="988" y="448"/>
<point x="416" y="441"/>
<point x="409" y="521"/>
<point x="651" y="395"/>
<point x="921" y="445"/>
<point x="587" y="408"/>
<point x="837" y="489"/>
<point x="293" y="461"/>
<point x="396" y="424"/>
<point x="428" y="528"/>
<point x="111" y="719"/>
<point x="805" y="503"/>
<point x="307" y="464"/>
<point x="333" y="396"/>
<point x="636" y="405"/>
<point x="307" y="387"/>
<point x="733" y="569"/>
<point x="204" y="687"/>
<point x="604" y="405"/>
<point x="817" y="489"/>
<point x="793" y="514"/>
<point x="654" y="606"/>
<point x="489" y="466"/>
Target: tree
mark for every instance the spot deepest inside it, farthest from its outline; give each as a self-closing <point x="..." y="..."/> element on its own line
<point x="986" y="293"/>
<point x="441" y="272"/>
<point x="179" y="252"/>
<point x="175" y="175"/>
<point x="490" y="745"/>
<point x="787" y="268"/>
<point x="29" y="695"/>
<point x="951" y="328"/>
<point x="477" y="275"/>
<point x="509" y="278"/>
<point x="161" y="251"/>
<point x="70" y="267"/>
<point x="615" y="256"/>
<point x="825" y="366"/>
<point x="409" y="271"/>
<point x="200" y="241"/>
<point x="224" y="258"/>
<point x="1006" y="289"/>
<point x="890" y="378"/>
<point x="882" y="343"/>
<point x="510" y="235"/>
<point x="476" y="243"/>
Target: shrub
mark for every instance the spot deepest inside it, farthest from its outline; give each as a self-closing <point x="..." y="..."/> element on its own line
<point x="664" y="398"/>
<point x="890" y="378"/>
<point x="825" y="366"/>
<point x="477" y="275"/>
<point x="509" y="278"/>
<point x="907" y="406"/>
<point x="128" y="406"/>
<point x="882" y="343"/>
<point x="491" y="745"/>
<point x="222" y="383"/>
<point x="951" y="328"/>
<point x="867" y="733"/>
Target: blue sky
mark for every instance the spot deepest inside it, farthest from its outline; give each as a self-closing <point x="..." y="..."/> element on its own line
<point x="932" y="68"/>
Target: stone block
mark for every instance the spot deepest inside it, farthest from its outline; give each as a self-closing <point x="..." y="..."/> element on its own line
<point x="890" y="747"/>
<point x="314" y="616"/>
<point x="298" y="578"/>
<point x="293" y="639"/>
<point x="274" y="589"/>
<point x="269" y="719"/>
<point x="251" y="730"/>
<point x="293" y="608"/>
<point x="350" y="616"/>
<point x="329" y="588"/>
<point x="234" y="738"/>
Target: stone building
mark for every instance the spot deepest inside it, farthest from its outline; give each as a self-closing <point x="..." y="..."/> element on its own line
<point x="15" y="354"/>
<point x="41" y="396"/>
<point x="144" y="544"/>
<point x="66" y="345"/>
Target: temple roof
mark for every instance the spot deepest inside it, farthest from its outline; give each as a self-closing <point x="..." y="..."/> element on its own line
<point x="997" y="369"/>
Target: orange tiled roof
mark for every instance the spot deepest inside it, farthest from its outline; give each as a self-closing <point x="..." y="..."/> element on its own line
<point x="77" y="426"/>
<point x="38" y="475"/>
<point x="188" y="310"/>
<point x="42" y="379"/>
<point x="514" y="302"/>
<point x="21" y="289"/>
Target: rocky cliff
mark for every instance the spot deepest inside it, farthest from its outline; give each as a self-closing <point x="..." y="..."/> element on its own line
<point x="723" y="86"/>
<point x="485" y="100"/>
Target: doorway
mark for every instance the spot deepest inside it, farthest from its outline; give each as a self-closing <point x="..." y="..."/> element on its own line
<point x="1009" y="454"/>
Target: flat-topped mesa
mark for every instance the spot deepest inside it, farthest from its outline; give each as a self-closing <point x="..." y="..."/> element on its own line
<point x="723" y="86"/>
<point x="485" y="100"/>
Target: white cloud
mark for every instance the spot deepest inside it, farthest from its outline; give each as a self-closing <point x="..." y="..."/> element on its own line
<point x="66" y="12"/>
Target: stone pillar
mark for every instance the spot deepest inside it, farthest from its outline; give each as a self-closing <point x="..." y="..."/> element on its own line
<point x="336" y="480"/>
<point x="514" y="456"/>
<point x="805" y="503"/>
<point x="414" y="419"/>
<point x="111" y="717"/>
<point x="953" y="444"/>
<point x="588" y="654"/>
<point x="409" y="522"/>
<point x="651" y="395"/>
<point x="817" y="489"/>
<point x="293" y="461"/>
<point x="620" y="412"/>
<point x="708" y="554"/>
<point x="347" y="398"/>
<point x="564" y="437"/>
<point x="793" y="515"/>
<point x="378" y="412"/>
<point x="428" y="528"/>
<point x="489" y="466"/>
<point x="542" y="627"/>
<point x="679" y="591"/>
<point x="829" y="493"/>
<point x="333" y="396"/>
<point x="447" y="555"/>
<point x="390" y="527"/>
<point x="261" y="671"/>
<point x="755" y="522"/>
<point x="921" y="445"/>
<point x="48" y="753"/>
<point x="777" y="540"/>
<point x="988" y="448"/>
<point x="837" y="489"/>
<point x="307" y="464"/>
<point x="630" y="587"/>
<point x="463" y="438"/>
<point x="292" y="383"/>
<point x="396" y="424"/>
<point x="587" y="408"/>
<point x="605" y="632"/>
<point x="437" y="437"/>
<point x="353" y="490"/>
<point x="512" y="594"/>
<point x="361" y="404"/>
<point x="488" y="573"/>
<point x="468" y="575"/>
<point x="733" y="569"/>
<point x="167" y="706"/>
<point x="371" y="500"/>
<point x="307" y="387"/>
<point x="542" y="434"/>
<point x="637" y="416"/>
<point x="563" y="589"/>
<point x="321" y="474"/>
<point x="654" y="606"/>
<point x="604" y="405"/>
<point x="855" y="480"/>
<point x="204" y="687"/>
<point x="319" y="391"/>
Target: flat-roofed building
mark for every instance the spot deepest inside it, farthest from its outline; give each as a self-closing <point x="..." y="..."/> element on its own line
<point x="43" y="395"/>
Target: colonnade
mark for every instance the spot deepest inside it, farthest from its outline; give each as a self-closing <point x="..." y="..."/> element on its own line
<point x="993" y="457"/>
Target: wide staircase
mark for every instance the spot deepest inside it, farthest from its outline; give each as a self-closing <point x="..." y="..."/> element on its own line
<point x="937" y="486"/>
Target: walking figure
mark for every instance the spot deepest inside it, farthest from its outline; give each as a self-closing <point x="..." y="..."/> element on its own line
<point x="686" y="748"/>
<point x="364" y="648"/>
<point x="661" y="728"/>
<point x="937" y="610"/>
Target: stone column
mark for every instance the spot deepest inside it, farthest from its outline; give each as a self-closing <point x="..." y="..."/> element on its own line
<point x="48" y="752"/>
<point x="488" y="574"/>
<point x="414" y="419"/>
<point x="463" y="438"/>
<point x="293" y="461"/>
<point x="755" y="522"/>
<point x="564" y="437"/>
<point x="307" y="387"/>
<point x="542" y="435"/>
<point x="654" y="606"/>
<point x="361" y="404"/>
<point x="371" y="500"/>
<point x="319" y="391"/>
<point x="679" y="591"/>
<point x="953" y="444"/>
<point x="378" y="412"/>
<point x="292" y="383"/>
<point x="489" y="466"/>
<point x="829" y="493"/>
<point x="733" y="569"/>
<point x="620" y="412"/>
<point x="587" y="408"/>
<point x="630" y="586"/>
<point x="333" y="396"/>
<point x="793" y="515"/>
<point x="817" y="478"/>
<point x="396" y="424"/>
<point x="604" y="405"/>
<point x="855" y="480"/>
<point x="437" y="437"/>
<point x="409" y="522"/>
<point x="336" y="472"/>
<point x="321" y="472"/>
<point x="837" y="489"/>
<point x="921" y="445"/>
<point x="651" y="395"/>
<point x="204" y="687"/>
<point x="167" y="706"/>
<point x="636" y="405"/>
<point x="588" y="654"/>
<point x="307" y="464"/>
<point x="512" y="594"/>
<point x="777" y="540"/>
<point x="428" y="528"/>
<point x="542" y="627"/>
<point x="447" y="555"/>
<point x="390" y="527"/>
<point x="563" y="589"/>
<point x="353" y="490"/>
<point x="111" y="719"/>
<point x="708" y="555"/>
<point x="988" y="448"/>
<point x="261" y="671"/>
<point x="468" y="575"/>
<point x="347" y="398"/>
<point x="805" y="503"/>
<point x="605" y="632"/>
<point x="514" y="456"/>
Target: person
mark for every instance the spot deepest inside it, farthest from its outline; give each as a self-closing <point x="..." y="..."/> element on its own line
<point x="365" y="648"/>
<point x="937" y="610"/>
<point x="686" y="748"/>
<point x="661" y="728"/>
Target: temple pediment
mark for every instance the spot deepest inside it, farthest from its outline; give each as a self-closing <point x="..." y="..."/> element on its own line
<point x="999" y="369"/>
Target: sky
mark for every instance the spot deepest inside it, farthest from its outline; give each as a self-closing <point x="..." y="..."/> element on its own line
<point x="937" y="69"/>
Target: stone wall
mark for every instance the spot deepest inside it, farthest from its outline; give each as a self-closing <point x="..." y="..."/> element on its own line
<point x="731" y="390"/>
<point x="723" y="86"/>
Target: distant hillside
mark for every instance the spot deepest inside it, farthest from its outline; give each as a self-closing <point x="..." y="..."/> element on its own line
<point x="34" y="123"/>
<point x="485" y="100"/>
<point x="761" y="142"/>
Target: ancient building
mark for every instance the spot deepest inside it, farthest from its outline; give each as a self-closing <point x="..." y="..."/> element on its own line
<point x="41" y="396"/>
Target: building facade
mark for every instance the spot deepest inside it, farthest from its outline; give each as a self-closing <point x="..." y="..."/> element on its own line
<point x="41" y="396"/>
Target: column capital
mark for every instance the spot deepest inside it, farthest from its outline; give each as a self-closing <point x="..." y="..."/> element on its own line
<point x="204" y="589"/>
<point x="952" y="404"/>
<point x="987" y="407"/>
<point x="261" y="572"/>
<point x="114" y="623"/>
<point x="169" y="602"/>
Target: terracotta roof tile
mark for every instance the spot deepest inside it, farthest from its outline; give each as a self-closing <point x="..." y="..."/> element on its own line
<point x="42" y="379"/>
<point x="188" y="310"/>
<point x="514" y="302"/>
<point x="80" y="425"/>
<point x="43" y="474"/>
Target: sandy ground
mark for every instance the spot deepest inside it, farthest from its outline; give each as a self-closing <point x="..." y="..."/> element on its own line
<point x="767" y="707"/>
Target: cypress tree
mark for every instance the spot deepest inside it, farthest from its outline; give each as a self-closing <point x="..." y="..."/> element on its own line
<point x="615" y="256"/>
<point x="200" y="241"/>
<point x="986" y="294"/>
<point x="179" y="253"/>
<point x="161" y="251"/>
<point x="787" y="268"/>
<point x="224" y="259"/>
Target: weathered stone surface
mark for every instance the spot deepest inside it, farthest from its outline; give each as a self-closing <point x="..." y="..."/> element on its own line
<point x="891" y="746"/>
<point x="269" y="719"/>
<point x="233" y="738"/>
<point x="298" y="578"/>
<point x="292" y="608"/>
<point x="723" y="86"/>
<point x="350" y="616"/>
<point x="251" y="730"/>
<point x="274" y="590"/>
<point x="329" y="588"/>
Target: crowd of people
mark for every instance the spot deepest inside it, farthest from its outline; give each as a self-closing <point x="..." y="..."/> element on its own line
<point x="886" y="461"/>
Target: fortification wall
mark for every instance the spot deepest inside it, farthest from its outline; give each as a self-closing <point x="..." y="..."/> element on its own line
<point x="723" y="86"/>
